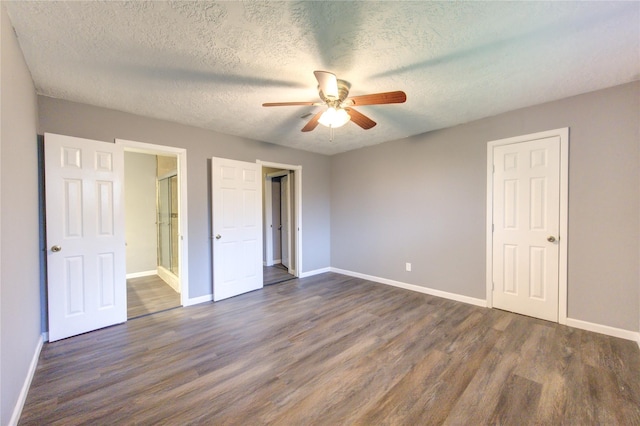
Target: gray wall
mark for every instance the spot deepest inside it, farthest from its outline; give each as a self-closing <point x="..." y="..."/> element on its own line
<point x="20" y="327"/>
<point x="423" y="200"/>
<point x="74" y="119"/>
<point x="140" y="212"/>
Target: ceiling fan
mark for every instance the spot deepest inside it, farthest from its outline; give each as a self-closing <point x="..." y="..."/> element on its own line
<point x="334" y="94"/>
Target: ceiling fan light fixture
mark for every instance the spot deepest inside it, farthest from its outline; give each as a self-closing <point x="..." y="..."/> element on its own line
<point x="333" y="117"/>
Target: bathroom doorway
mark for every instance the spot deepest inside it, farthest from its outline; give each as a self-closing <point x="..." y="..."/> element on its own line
<point x="152" y="210"/>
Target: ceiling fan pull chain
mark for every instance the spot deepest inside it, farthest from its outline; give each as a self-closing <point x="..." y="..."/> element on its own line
<point x="330" y="134"/>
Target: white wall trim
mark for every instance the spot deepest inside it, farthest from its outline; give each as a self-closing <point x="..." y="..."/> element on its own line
<point x="297" y="176"/>
<point x="413" y="287"/>
<point x="583" y="325"/>
<point x="170" y="278"/>
<point x="604" y="329"/>
<point x="268" y="222"/>
<point x="315" y="272"/>
<point x="198" y="300"/>
<point x="183" y="221"/>
<point x="22" y="398"/>
<point x="563" y="134"/>
<point x="142" y="274"/>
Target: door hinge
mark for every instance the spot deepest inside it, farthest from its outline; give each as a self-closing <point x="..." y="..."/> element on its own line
<point x="493" y="168"/>
<point x="493" y="227"/>
<point x="493" y="285"/>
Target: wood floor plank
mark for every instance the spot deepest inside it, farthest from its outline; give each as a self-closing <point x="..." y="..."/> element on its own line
<point x="150" y="294"/>
<point x="275" y="274"/>
<point x="331" y="349"/>
<point x="518" y="402"/>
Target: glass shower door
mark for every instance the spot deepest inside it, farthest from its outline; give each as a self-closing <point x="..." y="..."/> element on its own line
<point x="168" y="224"/>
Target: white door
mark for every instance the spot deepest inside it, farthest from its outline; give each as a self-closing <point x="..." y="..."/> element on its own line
<point x="237" y="227"/>
<point x="85" y="235"/>
<point x="526" y="218"/>
<point x="285" y="215"/>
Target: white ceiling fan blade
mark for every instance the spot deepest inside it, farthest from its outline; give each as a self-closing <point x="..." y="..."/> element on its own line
<point x="328" y="83"/>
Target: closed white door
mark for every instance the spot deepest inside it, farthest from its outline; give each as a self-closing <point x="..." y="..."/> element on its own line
<point x="526" y="218"/>
<point x="237" y="227"/>
<point x="285" y="215"/>
<point x="85" y="235"/>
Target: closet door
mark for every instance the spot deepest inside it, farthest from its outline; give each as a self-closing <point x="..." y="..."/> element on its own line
<point x="237" y="227"/>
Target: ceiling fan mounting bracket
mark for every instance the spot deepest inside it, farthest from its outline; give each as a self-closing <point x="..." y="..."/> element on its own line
<point x="343" y="91"/>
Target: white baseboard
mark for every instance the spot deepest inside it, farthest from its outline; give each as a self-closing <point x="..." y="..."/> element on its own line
<point x="141" y="274"/>
<point x="198" y="300"/>
<point x="22" y="398"/>
<point x="314" y="272"/>
<point x="413" y="287"/>
<point x="584" y="325"/>
<point x="604" y="329"/>
<point x="170" y="278"/>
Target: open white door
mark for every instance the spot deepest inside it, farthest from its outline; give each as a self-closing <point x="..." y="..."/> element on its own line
<point x="85" y="235"/>
<point x="237" y="227"/>
<point x="285" y="220"/>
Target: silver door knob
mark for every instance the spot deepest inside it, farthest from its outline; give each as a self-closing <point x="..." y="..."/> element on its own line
<point x="218" y="236"/>
<point x="551" y="239"/>
<point x="56" y="249"/>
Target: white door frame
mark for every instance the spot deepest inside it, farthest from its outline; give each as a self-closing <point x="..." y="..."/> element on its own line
<point x="268" y="214"/>
<point x="296" y="231"/>
<point x="183" y="222"/>
<point x="285" y="207"/>
<point x="563" y="134"/>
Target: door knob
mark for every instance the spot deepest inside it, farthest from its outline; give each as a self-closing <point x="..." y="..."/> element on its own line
<point x="56" y="249"/>
<point x="218" y="236"/>
<point x="551" y="239"/>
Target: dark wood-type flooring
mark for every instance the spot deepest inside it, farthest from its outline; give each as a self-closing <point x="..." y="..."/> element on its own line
<point x="275" y="274"/>
<point x="147" y="295"/>
<point x="334" y="350"/>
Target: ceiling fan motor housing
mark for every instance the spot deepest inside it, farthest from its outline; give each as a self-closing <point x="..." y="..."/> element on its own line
<point x="343" y="91"/>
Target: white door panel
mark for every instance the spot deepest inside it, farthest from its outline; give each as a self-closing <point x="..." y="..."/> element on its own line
<point x="237" y="227"/>
<point x="526" y="206"/>
<point x="85" y="235"/>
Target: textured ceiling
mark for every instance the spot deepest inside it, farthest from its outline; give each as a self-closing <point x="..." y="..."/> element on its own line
<point x="212" y="64"/>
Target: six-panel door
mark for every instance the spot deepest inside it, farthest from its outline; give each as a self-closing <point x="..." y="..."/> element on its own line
<point x="237" y="227"/>
<point x="526" y="206"/>
<point x="85" y="235"/>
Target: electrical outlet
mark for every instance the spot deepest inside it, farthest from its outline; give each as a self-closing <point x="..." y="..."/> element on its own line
<point x="407" y="267"/>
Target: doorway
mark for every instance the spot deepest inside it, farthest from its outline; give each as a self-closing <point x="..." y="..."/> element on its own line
<point x="281" y="218"/>
<point x="155" y="199"/>
<point x="85" y="218"/>
<point x="527" y="199"/>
